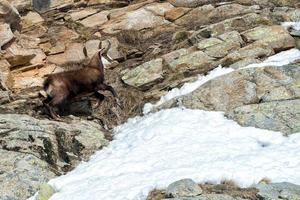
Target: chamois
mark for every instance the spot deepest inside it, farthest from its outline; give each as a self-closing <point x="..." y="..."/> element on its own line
<point x="65" y="86"/>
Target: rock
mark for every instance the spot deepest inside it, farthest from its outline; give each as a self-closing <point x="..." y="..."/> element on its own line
<point x="175" y="13"/>
<point x="197" y="16"/>
<point x="32" y="148"/>
<point x="33" y="77"/>
<point x="95" y="20"/>
<point x="6" y="81"/>
<point x="159" y="9"/>
<point x="4" y="96"/>
<point x="194" y="62"/>
<point x="190" y="3"/>
<point x="6" y="34"/>
<point x="219" y="48"/>
<point x="244" y="62"/>
<point x="244" y="87"/>
<point x="253" y="51"/>
<point x="134" y="20"/>
<point x="16" y="55"/>
<point x="280" y="116"/>
<point x="61" y="35"/>
<point x="45" y="192"/>
<point x="183" y="188"/>
<point x="208" y="14"/>
<point x="240" y="23"/>
<point x="274" y="36"/>
<point x="114" y="52"/>
<point x="278" y="191"/>
<point x="21" y="5"/>
<point x="9" y="15"/>
<point x="31" y="19"/>
<point x="73" y="54"/>
<point x="21" y="173"/>
<point x="144" y="75"/>
<point x="91" y="47"/>
<point x="208" y="197"/>
<point x="169" y="58"/>
<point x="78" y="15"/>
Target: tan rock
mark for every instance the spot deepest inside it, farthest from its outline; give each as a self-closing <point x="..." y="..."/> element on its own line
<point x="73" y="54"/>
<point x="31" y="19"/>
<point x="6" y="34"/>
<point x="16" y="55"/>
<point x="6" y="80"/>
<point x="274" y="36"/>
<point x="134" y="20"/>
<point x="78" y="15"/>
<point x="91" y="47"/>
<point x="159" y="8"/>
<point x="95" y="20"/>
<point x="176" y="13"/>
<point x="254" y="50"/>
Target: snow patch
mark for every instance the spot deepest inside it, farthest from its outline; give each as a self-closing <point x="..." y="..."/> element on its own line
<point x="280" y="59"/>
<point x="157" y="149"/>
<point x="293" y="25"/>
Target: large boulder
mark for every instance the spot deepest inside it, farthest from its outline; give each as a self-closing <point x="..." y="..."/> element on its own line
<point x="34" y="151"/>
<point x="269" y="87"/>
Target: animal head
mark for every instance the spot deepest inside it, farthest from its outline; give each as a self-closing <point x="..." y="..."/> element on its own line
<point x="100" y="58"/>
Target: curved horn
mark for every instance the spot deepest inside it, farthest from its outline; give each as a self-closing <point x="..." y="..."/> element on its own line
<point x="96" y="60"/>
<point x="105" y="49"/>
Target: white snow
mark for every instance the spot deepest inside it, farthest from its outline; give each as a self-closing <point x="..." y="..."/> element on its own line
<point x="159" y="148"/>
<point x="294" y="25"/>
<point x="187" y="88"/>
<point x="155" y="150"/>
<point x="279" y="59"/>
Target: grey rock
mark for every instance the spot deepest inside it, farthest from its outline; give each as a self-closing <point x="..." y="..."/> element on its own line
<point x="207" y="197"/>
<point x="246" y="87"/>
<point x="183" y="188"/>
<point x="277" y="191"/>
<point x="34" y="151"/>
<point x="144" y="75"/>
<point x="275" y="37"/>
<point x="283" y="116"/>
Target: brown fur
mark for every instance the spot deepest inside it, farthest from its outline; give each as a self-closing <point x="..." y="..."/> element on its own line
<point x="65" y="86"/>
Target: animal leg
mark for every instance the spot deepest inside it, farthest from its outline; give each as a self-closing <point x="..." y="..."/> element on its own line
<point x="54" y="102"/>
<point x="104" y="86"/>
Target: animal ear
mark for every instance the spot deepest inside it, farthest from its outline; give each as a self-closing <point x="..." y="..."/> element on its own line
<point x="95" y="60"/>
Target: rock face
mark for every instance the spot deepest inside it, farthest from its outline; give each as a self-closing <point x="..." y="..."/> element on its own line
<point x="33" y="151"/>
<point x="158" y="45"/>
<point x="243" y="93"/>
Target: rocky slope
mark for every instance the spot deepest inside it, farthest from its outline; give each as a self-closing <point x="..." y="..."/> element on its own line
<point x="156" y="45"/>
